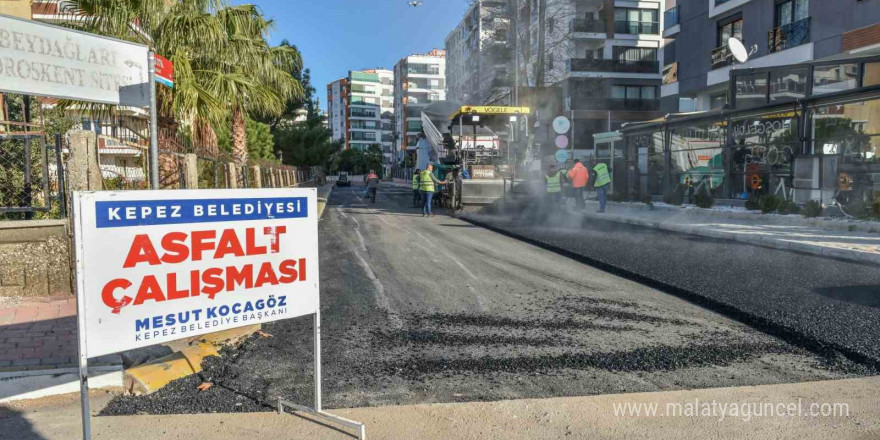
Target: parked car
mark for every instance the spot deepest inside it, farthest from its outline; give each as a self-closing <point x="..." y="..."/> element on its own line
<point x="343" y="179"/>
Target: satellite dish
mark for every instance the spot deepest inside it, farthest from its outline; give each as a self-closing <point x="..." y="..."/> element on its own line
<point x="738" y="50"/>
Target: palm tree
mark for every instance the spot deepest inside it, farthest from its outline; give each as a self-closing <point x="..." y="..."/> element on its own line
<point x="223" y="63"/>
<point x="248" y="75"/>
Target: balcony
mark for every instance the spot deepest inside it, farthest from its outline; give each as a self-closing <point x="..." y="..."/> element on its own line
<point x="721" y="57"/>
<point x="618" y="66"/>
<point x="637" y="27"/>
<point x="357" y="114"/>
<point x="789" y="35"/>
<point x="639" y="105"/>
<point x="670" y="17"/>
<point x="587" y="26"/>
<point x="423" y="70"/>
<point x="360" y="136"/>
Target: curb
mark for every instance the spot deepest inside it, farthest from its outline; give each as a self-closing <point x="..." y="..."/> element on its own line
<point x="35" y="384"/>
<point x="748" y="238"/>
<point x="153" y="375"/>
<point x="322" y="201"/>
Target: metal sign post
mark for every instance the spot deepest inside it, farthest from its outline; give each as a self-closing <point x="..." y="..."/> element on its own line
<point x="154" y="128"/>
<point x="81" y="323"/>
<point x="318" y="410"/>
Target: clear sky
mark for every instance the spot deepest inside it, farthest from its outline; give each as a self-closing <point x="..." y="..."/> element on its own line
<point x="336" y="36"/>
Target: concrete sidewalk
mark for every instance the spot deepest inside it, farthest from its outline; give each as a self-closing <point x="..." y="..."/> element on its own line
<point x="568" y="417"/>
<point x="849" y="240"/>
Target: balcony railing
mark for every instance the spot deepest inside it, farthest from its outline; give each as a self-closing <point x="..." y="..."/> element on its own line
<point x="721" y="57"/>
<point x="788" y="36"/>
<point x="637" y="27"/>
<point x="355" y="114"/>
<point x="621" y="66"/>
<point x="590" y="26"/>
<point x="641" y="105"/>
<point x="416" y="71"/>
<point x="360" y="136"/>
<point x="670" y="17"/>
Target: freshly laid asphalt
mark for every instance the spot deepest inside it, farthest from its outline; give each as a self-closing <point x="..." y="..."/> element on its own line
<point x="424" y="310"/>
<point x="819" y="302"/>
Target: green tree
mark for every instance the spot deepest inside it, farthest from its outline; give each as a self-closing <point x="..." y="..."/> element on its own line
<point x="223" y="62"/>
<point x="260" y="142"/>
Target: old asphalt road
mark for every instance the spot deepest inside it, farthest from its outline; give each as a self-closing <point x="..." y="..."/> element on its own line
<point x="421" y="310"/>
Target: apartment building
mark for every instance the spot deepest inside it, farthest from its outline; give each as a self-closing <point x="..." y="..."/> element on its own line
<point x="419" y="80"/>
<point x="478" y="56"/>
<point x="777" y="32"/>
<point x="360" y="109"/>
<point x="604" y="55"/>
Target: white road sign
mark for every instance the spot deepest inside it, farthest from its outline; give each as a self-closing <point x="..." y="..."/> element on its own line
<point x="155" y="266"/>
<point x="45" y="60"/>
<point x="561" y="125"/>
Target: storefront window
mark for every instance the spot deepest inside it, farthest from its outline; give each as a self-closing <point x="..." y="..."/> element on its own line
<point x="763" y="152"/>
<point x="836" y="78"/>
<point x="751" y="90"/>
<point x="697" y="157"/>
<point x="646" y="151"/>
<point x="848" y="131"/>
<point x="847" y="138"/>
<point x="871" y="76"/>
<point x="788" y="85"/>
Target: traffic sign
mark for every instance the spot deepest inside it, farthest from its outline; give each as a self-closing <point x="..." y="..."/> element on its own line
<point x="563" y="155"/>
<point x="562" y="141"/>
<point x="164" y="71"/>
<point x="561" y="125"/>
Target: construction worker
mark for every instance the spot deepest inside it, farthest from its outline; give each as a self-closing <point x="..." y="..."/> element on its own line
<point x="554" y="184"/>
<point x="417" y="196"/>
<point x="428" y="183"/>
<point x="603" y="181"/>
<point x="372" y="185"/>
<point x="579" y="177"/>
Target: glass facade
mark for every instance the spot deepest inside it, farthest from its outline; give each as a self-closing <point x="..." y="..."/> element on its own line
<point x="803" y="132"/>
<point x="696" y="157"/>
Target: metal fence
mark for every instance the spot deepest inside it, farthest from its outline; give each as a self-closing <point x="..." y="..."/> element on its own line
<point x="30" y="186"/>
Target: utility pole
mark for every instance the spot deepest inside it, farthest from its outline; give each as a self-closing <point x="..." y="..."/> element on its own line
<point x="515" y="34"/>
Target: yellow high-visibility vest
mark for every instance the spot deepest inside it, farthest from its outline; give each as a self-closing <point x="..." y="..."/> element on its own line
<point x="426" y="184"/>
<point x="602" y="176"/>
<point x="554" y="182"/>
<point x="415" y="181"/>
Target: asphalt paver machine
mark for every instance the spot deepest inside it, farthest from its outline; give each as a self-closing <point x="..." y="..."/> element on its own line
<point x="477" y="145"/>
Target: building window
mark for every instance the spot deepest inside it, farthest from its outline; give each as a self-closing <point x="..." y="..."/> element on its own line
<point x="729" y="28"/>
<point x="636" y="21"/>
<point x="634" y="92"/>
<point x="791" y="11"/>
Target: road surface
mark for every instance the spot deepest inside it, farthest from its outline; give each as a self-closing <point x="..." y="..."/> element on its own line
<point x="423" y="310"/>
